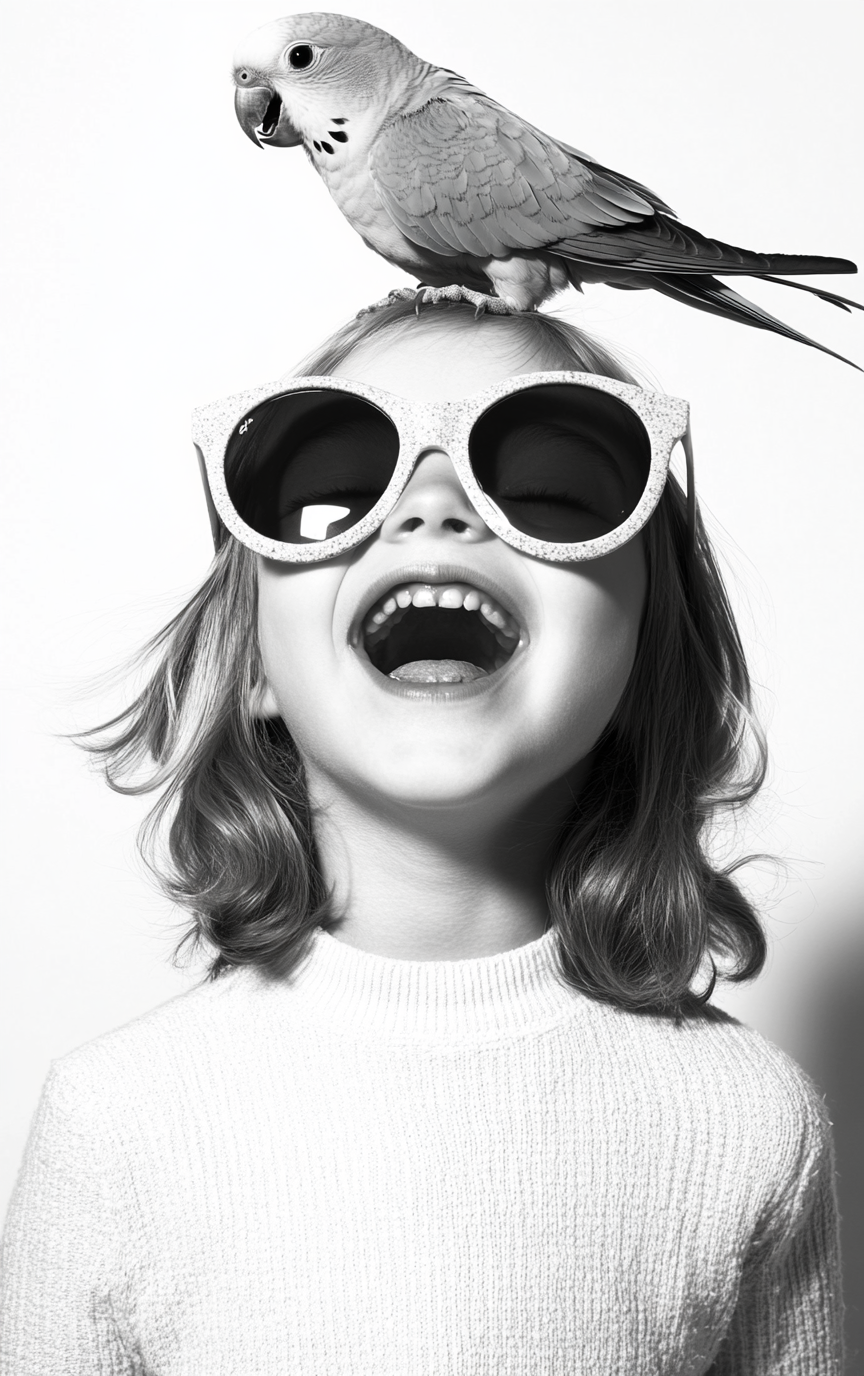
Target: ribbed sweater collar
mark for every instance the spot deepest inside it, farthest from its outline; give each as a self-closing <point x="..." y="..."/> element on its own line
<point x="508" y="994"/>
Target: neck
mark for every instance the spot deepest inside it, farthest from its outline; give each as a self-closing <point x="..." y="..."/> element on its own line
<point x="437" y="884"/>
<point x="368" y="107"/>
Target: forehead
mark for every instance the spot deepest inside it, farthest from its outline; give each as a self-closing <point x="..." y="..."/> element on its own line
<point x="439" y="364"/>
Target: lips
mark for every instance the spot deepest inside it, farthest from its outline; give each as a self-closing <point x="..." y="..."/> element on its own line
<point x="438" y="628"/>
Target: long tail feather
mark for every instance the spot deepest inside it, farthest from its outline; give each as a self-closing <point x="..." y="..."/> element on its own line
<point x="830" y="296"/>
<point x="730" y="260"/>
<point x="707" y="294"/>
<point x="667" y="246"/>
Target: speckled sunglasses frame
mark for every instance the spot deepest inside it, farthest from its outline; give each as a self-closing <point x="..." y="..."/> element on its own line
<point x="447" y="425"/>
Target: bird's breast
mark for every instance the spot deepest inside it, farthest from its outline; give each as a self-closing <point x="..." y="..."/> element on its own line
<point x="349" y="182"/>
<point x="352" y="187"/>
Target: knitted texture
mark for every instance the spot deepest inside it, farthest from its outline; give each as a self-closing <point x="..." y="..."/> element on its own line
<point x="400" y="1168"/>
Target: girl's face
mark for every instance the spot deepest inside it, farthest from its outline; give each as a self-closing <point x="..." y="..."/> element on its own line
<point x="503" y="739"/>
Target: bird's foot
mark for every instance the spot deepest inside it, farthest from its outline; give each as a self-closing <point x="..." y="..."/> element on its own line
<point x="397" y="294"/>
<point x="422" y="295"/>
<point x="432" y="296"/>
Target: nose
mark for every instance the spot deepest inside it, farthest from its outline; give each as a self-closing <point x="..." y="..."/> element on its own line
<point x="434" y="503"/>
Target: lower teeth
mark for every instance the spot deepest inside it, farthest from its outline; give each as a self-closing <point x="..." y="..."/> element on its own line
<point x="438" y="671"/>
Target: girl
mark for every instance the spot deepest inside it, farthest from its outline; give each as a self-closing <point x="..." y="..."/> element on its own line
<point x="440" y="741"/>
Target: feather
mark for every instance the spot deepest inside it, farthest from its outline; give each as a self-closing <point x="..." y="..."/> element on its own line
<point x="707" y="294"/>
<point x="831" y="297"/>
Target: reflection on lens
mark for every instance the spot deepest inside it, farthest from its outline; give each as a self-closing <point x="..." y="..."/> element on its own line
<point x="563" y="463"/>
<point x="307" y="466"/>
<point x="316" y="520"/>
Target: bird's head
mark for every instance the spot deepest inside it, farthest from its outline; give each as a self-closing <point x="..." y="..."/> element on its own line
<point x="295" y="73"/>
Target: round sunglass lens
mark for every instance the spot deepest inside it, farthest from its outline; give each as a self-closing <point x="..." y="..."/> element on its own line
<point x="308" y="466"/>
<point x="564" y="463"/>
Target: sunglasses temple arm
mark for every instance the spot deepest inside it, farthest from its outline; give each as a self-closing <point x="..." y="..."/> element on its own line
<point x="217" y="530"/>
<point x="687" y="446"/>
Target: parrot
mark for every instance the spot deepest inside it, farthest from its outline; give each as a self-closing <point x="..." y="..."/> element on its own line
<point x="457" y="190"/>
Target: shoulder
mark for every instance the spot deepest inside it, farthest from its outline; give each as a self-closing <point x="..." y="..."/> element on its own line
<point x="761" y="1076"/>
<point x="729" y="1076"/>
<point x="166" y="1046"/>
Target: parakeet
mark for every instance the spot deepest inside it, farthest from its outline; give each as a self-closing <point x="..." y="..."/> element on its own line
<point x="454" y="188"/>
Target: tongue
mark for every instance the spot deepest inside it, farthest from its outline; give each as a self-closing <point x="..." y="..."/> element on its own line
<point x="438" y="671"/>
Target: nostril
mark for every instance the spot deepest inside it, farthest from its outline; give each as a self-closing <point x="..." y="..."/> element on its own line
<point x="451" y="523"/>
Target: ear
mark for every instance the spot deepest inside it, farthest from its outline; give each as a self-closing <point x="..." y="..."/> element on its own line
<point x="262" y="703"/>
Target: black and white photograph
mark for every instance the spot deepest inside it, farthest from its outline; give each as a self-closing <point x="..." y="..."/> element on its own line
<point x="433" y="935"/>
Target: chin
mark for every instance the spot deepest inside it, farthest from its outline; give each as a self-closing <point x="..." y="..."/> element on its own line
<point x="435" y="785"/>
<point x="440" y="775"/>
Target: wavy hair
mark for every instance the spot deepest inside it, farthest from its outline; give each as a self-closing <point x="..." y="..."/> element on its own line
<point x="641" y="911"/>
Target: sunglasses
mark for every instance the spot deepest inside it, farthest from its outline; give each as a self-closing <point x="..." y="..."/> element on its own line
<point x="561" y="465"/>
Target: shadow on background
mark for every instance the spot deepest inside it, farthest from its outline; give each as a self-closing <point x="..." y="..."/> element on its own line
<point x="836" y="1062"/>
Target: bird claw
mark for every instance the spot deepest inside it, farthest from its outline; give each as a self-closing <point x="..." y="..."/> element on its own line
<point x="422" y="295"/>
<point x="494" y="305"/>
<point x="397" y="294"/>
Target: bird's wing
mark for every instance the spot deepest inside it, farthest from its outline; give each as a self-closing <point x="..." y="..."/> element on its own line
<point x="462" y="174"/>
<point x="458" y="84"/>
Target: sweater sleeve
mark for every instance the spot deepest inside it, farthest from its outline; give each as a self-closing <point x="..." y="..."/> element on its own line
<point x="789" y="1317"/>
<point x="57" y="1260"/>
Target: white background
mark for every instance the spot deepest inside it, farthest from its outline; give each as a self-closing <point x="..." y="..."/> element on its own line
<point x="156" y="260"/>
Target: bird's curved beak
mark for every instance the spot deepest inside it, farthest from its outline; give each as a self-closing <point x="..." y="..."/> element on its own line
<point x="262" y="117"/>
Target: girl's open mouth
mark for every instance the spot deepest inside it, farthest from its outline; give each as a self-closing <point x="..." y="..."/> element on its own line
<point x="438" y="633"/>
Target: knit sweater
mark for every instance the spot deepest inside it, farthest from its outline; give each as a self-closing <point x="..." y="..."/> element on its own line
<point x="377" y="1167"/>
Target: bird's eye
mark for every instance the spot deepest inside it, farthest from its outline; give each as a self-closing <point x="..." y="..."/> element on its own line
<point x="243" y="76"/>
<point x="300" y="56"/>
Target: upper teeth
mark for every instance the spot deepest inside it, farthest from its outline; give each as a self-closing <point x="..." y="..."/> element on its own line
<point x="450" y="595"/>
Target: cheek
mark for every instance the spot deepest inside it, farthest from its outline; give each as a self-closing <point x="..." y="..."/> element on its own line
<point x="294" y="611"/>
<point x="590" y="638"/>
